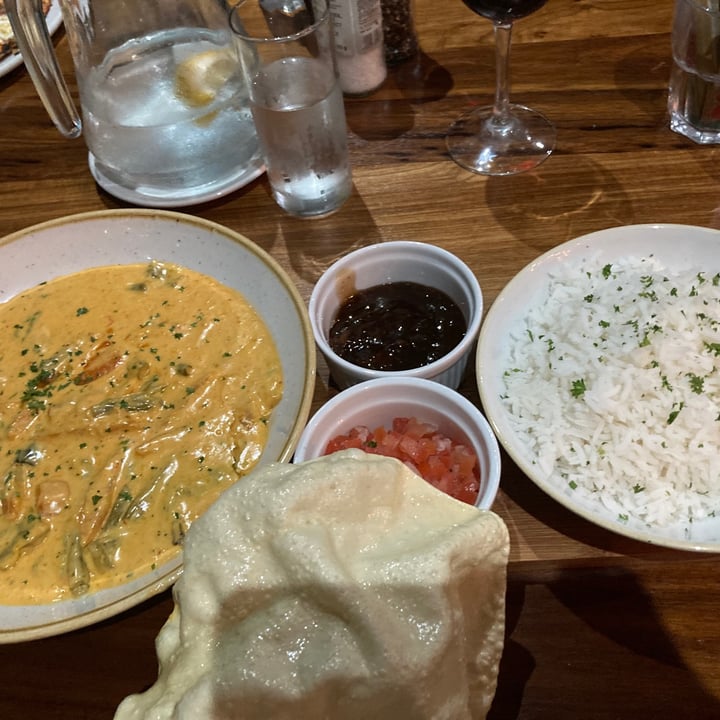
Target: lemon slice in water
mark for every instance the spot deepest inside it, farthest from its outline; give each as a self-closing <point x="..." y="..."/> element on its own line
<point x="199" y="77"/>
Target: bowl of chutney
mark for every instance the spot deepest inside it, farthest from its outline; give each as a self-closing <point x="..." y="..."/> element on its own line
<point x="400" y="308"/>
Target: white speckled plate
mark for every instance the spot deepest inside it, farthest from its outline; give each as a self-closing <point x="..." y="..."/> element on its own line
<point x="679" y="248"/>
<point x="78" y="242"/>
<point x="53" y="20"/>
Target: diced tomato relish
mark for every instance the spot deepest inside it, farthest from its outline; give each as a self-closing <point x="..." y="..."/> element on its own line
<point x="448" y="465"/>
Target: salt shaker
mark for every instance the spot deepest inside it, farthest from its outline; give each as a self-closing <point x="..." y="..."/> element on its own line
<point x="359" y="45"/>
<point x="401" y="41"/>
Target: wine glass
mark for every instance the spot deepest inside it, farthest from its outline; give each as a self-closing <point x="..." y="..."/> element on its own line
<point x="504" y="138"/>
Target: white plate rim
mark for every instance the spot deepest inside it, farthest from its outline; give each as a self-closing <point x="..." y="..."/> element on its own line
<point x="252" y="171"/>
<point x="53" y="20"/>
<point x="659" y="239"/>
<point x="21" y="623"/>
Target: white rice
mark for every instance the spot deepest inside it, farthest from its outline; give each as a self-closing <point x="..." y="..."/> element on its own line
<point x="613" y="385"/>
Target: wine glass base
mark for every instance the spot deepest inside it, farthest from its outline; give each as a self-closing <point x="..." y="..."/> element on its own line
<point x="480" y="143"/>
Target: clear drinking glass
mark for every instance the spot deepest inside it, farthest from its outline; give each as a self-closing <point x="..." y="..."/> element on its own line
<point x="296" y="102"/>
<point x="504" y="138"/>
<point x="694" y="90"/>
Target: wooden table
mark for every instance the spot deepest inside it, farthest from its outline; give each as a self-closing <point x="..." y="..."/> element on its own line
<point x="598" y="626"/>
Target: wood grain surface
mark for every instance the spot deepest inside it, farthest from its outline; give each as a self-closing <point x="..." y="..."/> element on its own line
<point x="598" y="626"/>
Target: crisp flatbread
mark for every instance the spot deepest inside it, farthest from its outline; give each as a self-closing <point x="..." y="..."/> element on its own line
<point x="344" y="587"/>
<point x="8" y="45"/>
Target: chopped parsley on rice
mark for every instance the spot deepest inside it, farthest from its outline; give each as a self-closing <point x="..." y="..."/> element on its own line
<point x="613" y="382"/>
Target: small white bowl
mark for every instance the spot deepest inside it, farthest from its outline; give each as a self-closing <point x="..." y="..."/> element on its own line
<point x="377" y="402"/>
<point x="397" y="261"/>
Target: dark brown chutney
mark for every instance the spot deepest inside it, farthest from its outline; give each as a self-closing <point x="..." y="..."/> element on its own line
<point x="396" y="326"/>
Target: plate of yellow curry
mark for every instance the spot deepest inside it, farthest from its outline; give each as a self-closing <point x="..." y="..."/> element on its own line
<point x="149" y="360"/>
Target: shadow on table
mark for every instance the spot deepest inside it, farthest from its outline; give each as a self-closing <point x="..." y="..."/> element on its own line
<point x="556" y="203"/>
<point x="313" y="245"/>
<point x="420" y="79"/>
<point x="643" y="81"/>
<point x="593" y="640"/>
<point x="592" y="637"/>
<point x="389" y="113"/>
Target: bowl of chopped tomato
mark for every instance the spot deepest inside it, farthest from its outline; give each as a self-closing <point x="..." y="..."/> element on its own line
<point x="429" y="427"/>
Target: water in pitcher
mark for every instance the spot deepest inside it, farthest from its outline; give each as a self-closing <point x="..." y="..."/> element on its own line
<point x="168" y="114"/>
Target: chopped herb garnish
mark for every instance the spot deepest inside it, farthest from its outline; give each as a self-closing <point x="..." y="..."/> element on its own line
<point x="578" y="388"/>
<point x="697" y="383"/>
<point x="677" y="407"/>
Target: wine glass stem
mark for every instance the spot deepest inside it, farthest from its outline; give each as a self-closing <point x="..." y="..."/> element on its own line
<point x="501" y="108"/>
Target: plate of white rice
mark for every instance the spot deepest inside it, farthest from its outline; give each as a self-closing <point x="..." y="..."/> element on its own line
<point x="598" y="367"/>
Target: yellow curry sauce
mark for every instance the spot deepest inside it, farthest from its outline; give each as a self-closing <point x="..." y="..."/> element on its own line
<point x="130" y="397"/>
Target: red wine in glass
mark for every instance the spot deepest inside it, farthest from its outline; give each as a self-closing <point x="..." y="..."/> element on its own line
<point x="504" y="138"/>
<point x="504" y="10"/>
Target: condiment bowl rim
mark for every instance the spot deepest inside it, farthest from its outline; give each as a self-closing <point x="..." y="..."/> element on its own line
<point x="423" y="371"/>
<point x="485" y="437"/>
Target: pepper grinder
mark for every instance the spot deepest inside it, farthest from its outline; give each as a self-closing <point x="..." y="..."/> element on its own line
<point x="401" y="42"/>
